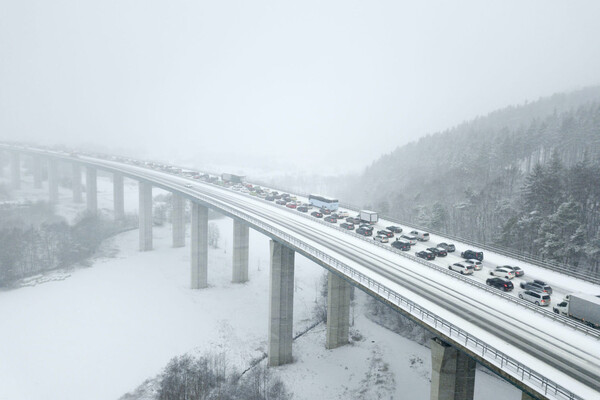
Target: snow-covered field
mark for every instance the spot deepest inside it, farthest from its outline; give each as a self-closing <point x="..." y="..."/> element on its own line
<point x="99" y="332"/>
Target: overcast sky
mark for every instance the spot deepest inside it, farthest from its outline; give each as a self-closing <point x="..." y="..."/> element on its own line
<point x="326" y="85"/>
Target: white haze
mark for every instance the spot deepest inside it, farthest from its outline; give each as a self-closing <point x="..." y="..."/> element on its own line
<point x="321" y="86"/>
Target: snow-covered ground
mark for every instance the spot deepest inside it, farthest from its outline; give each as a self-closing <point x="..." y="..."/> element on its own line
<point x="103" y="330"/>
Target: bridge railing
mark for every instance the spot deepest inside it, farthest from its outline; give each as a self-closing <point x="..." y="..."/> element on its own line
<point x="506" y="363"/>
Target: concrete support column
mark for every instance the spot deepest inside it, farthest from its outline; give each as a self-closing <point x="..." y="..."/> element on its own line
<point x="53" y="180"/>
<point x="15" y="170"/>
<point x="91" y="190"/>
<point x="241" y="236"/>
<point x="199" y="246"/>
<point x="118" y="197"/>
<point x="37" y="172"/>
<point x="338" y="311"/>
<point x="453" y="375"/>
<point x="178" y="220"/>
<point x="76" y="183"/>
<point x="281" y="309"/>
<point x="145" y="216"/>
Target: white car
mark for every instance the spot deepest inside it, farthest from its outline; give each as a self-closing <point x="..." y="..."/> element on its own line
<point x="380" y="238"/>
<point x="188" y="185"/>
<point x="477" y="265"/>
<point x="503" y="272"/>
<point x="342" y="214"/>
<point x="422" y="236"/>
<point x="463" y="269"/>
<point x="410" y="239"/>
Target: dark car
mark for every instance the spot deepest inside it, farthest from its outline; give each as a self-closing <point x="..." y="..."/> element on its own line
<point x="325" y="211"/>
<point x="331" y="219"/>
<point x="537" y="285"/>
<point x="352" y="220"/>
<point x="449" y="247"/>
<point x="269" y="198"/>
<point x="478" y="255"/>
<point x="401" y="245"/>
<point x="437" y="251"/>
<point x="385" y="233"/>
<point x="281" y="202"/>
<point x="366" y="226"/>
<point x="302" y="209"/>
<point x="348" y="226"/>
<point x="395" y="229"/>
<point x="500" y="283"/>
<point x="425" y="254"/>
<point x="364" y="232"/>
<point x="517" y="270"/>
<point x="316" y="214"/>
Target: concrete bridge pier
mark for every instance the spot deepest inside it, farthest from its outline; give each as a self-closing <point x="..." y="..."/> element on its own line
<point x="37" y="172"/>
<point x="199" y="270"/>
<point x="338" y="311"/>
<point x="15" y="170"/>
<point x="178" y="220"/>
<point x="53" y="180"/>
<point x="241" y="238"/>
<point x="281" y="307"/>
<point x="91" y="190"/>
<point x="453" y="373"/>
<point x="118" y="197"/>
<point x="145" y="216"/>
<point x="76" y="183"/>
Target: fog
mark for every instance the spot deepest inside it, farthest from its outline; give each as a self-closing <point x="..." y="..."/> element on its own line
<point x="319" y="86"/>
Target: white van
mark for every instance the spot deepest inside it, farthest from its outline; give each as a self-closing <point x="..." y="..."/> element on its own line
<point x="422" y="236"/>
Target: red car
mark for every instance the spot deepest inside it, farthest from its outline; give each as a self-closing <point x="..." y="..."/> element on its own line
<point x="291" y="205"/>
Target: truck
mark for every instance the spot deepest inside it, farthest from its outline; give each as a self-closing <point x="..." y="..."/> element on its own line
<point x="370" y="217"/>
<point x="582" y="307"/>
<point x="232" y="178"/>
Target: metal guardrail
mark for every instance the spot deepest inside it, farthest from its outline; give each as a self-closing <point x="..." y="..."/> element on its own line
<point x="501" y="360"/>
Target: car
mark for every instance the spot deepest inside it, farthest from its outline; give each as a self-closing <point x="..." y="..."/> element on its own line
<point x="291" y="205"/>
<point x="366" y="226"/>
<point x="385" y="233"/>
<point x="348" y="226"/>
<point x="401" y="245"/>
<point x="410" y="239"/>
<point x="421" y="236"/>
<point x="381" y="238"/>
<point x="517" y="270"/>
<point x="352" y="220"/>
<point x="302" y="209"/>
<point x="500" y="283"/>
<point x="425" y="254"/>
<point x="281" y="202"/>
<point x="316" y="214"/>
<point x="269" y="198"/>
<point x="503" y="272"/>
<point x="393" y="228"/>
<point x="341" y="214"/>
<point x="437" y="251"/>
<point x="325" y="211"/>
<point x="188" y="185"/>
<point x="537" y="285"/>
<point x="364" y="232"/>
<point x="468" y="254"/>
<point x="449" y="247"/>
<point x="463" y="269"/>
<point x="477" y="265"/>
<point x="538" y="298"/>
<point x="331" y="219"/>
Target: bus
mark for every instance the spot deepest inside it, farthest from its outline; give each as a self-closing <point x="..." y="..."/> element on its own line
<point x="323" y="202"/>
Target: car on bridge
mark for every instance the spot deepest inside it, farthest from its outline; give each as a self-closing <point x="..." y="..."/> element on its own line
<point x="364" y="232"/>
<point x="353" y="220"/>
<point x="188" y="185"/>
<point x="500" y="283"/>
<point x="538" y="298"/>
<point x="330" y="219"/>
<point x="291" y="205"/>
<point x="381" y="239"/>
<point x="477" y="265"/>
<point x="394" y="228"/>
<point x="341" y="214"/>
<point x="463" y="269"/>
<point x="503" y="272"/>
<point x="386" y="233"/>
<point x="421" y="236"/>
<point x="325" y="211"/>
<point x="410" y="239"/>
<point x="427" y="255"/>
<point x="270" y="198"/>
<point x="537" y="285"/>
<point x="317" y="214"/>
<point x="449" y="247"/>
<point x="517" y="270"/>
<point x="468" y="254"/>
<point x="281" y="202"/>
<point x="347" y="226"/>
<point x="401" y="245"/>
<point x="437" y="251"/>
<point x="302" y="209"/>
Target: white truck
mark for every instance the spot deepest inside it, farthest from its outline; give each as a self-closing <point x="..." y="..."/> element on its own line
<point x="583" y="307"/>
<point x="367" y="216"/>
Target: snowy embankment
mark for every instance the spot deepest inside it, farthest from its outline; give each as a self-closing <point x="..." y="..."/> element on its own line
<point x="105" y="329"/>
